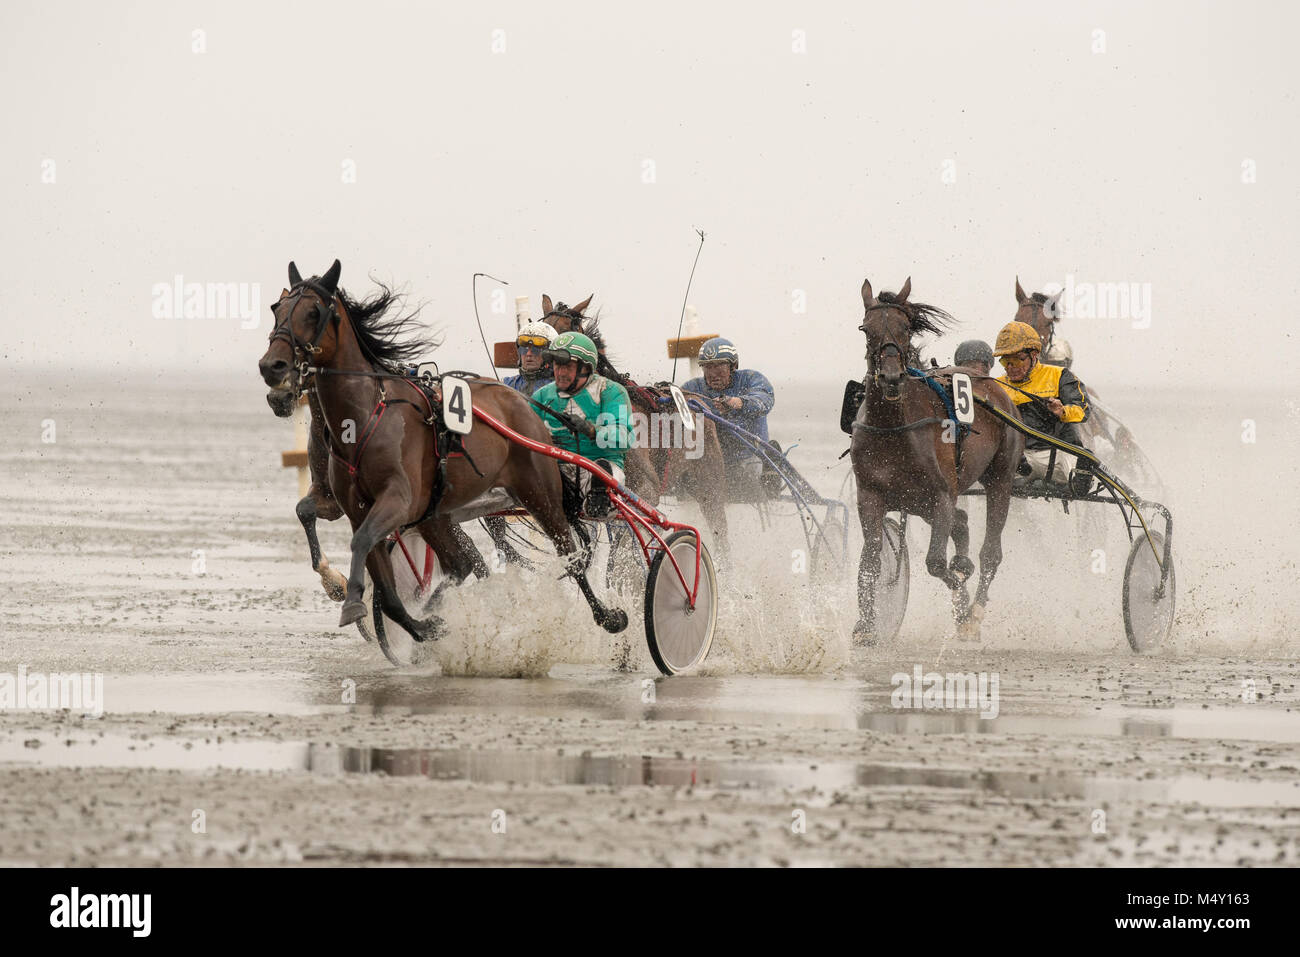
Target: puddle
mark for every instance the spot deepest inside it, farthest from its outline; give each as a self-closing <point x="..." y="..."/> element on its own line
<point x="553" y="768"/>
<point x="120" y="751"/>
<point x="754" y="701"/>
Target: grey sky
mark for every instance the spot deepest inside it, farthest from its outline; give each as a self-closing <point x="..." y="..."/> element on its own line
<point x="807" y="170"/>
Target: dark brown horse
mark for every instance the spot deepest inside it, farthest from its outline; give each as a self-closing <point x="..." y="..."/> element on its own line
<point x="905" y="459"/>
<point x="1043" y="313"/>
<point x="381" y="433"/>
<point x="656" y="471"/>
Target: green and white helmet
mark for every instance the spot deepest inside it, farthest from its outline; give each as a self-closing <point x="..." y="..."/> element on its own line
<point x="573" y="345"/>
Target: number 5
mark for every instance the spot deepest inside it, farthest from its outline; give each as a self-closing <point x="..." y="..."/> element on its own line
<point x="963" y="398"/>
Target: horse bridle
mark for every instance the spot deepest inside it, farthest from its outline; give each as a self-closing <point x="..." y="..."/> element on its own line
<point x="874" y="368"/>
<point x="1051" y="323"/>
<point x="303" y="351"/>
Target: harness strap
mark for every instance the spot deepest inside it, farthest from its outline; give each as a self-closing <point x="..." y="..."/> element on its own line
<point x="919" y="423"/>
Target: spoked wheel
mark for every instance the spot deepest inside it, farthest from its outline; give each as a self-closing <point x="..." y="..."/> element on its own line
<point x="894" y="583"/>
<point x="1148" y="606"/>
<point x="829" y="553"/>
<point x="680" y="636"/>
<point x="398" y="646"/>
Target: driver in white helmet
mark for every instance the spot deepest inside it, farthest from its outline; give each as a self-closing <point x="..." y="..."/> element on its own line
<point x="534" y="367"/>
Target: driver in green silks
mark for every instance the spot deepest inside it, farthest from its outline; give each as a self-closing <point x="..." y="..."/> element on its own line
<point x="601" y="410"/>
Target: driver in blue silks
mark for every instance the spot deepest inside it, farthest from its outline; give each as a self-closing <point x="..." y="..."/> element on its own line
<point x="741" y="396"/>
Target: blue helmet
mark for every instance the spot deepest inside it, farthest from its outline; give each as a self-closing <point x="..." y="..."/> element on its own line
<point x="719" y="349"/>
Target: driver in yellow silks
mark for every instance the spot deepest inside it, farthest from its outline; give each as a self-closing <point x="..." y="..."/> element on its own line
<point x="1056" y="400"/>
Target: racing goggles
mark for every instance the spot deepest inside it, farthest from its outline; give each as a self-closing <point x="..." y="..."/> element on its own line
<point x="536" y="342"/>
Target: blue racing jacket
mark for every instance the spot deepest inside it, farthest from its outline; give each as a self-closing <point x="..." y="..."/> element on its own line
<point x="757" y="398"/>
<point x="529" y="385"/>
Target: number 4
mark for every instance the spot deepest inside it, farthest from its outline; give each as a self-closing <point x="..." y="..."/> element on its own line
<point x="459" y="407"/>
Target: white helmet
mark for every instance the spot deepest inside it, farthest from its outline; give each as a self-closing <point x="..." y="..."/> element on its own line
<point x="538" y="329"/>
<point x="1059" y="353"/>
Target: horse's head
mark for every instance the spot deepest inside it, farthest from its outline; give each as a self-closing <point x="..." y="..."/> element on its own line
<point x="575" y="319"/>
<point x="890" y="322"/>
<point x="565" y="318"/>
<point x="303" y="317"/>
<point x="1040" y="310"/>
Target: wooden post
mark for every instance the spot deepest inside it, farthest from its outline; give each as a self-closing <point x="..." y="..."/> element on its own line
<point x="688" y="346"/>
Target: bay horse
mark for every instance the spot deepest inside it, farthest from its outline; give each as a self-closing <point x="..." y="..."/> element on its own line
<point x="656" y="471"/>
<point x="396" y="477"/>
<point x="905" y="459"/>
<point x="1043" y="313"/>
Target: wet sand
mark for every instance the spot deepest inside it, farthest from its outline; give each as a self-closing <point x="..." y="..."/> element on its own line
<point x="154" y="542"/>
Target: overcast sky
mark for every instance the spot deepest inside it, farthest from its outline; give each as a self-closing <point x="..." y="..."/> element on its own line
<point x="815" y="143"/>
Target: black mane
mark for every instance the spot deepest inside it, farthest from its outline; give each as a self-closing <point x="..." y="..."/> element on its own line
<point x="390" y="343"/>
<point x="921" y="317"/>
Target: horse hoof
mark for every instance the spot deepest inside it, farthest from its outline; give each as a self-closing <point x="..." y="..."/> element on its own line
<point x="430" y="629"/>
<point x="615" y="621"/>
<point x="968" y="629"/>
<point x="865" y="635"/>
<point x="335" y="585"/>
<point x="962" y="567"/>
<point x="353" y="611"/>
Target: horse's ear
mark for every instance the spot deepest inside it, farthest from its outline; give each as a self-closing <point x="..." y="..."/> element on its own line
<point x="1020" y="293"/>
<point x="581" y="307"/>
<point x="867" y="295"/>
<point x="283" y="293"/>
<point x="547" y="307"/>
<point x="331" y="278"/>
<point x="906" y="290"/>
<point x="294" y="276"/>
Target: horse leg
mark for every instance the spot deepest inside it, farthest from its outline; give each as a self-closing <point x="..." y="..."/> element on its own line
<point x="311" y="507"/>
<point x="961" y="565"/>
<point x="871" y="513"/>
<point x="384" y="518"/>
<point x="496" y="527"/>
<point x="381" y="574"/>
<point x="549" y="513"/>
<point x="943" y="518"/>
<point x="998" y="498"/>
<point x="319" y="502"/>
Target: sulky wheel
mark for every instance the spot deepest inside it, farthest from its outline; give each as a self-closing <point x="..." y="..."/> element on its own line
<point x="680" y="636"/>
<point x="1148" y="606"/>
<point x="894" y="582"/>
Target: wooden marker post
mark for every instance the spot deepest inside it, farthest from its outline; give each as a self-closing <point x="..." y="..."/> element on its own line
<point x="688" y="346"/>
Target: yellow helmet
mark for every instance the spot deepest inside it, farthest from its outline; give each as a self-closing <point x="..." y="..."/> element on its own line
<point x="1016" y="336"/>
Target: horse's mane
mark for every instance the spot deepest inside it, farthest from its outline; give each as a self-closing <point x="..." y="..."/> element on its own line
<point x="920" y="316"/>
<point x="589" y="326"/>
<point x="390" y="343"/>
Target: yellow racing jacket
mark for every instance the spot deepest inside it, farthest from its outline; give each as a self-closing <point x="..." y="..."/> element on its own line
<point x="1049" y="382"/>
